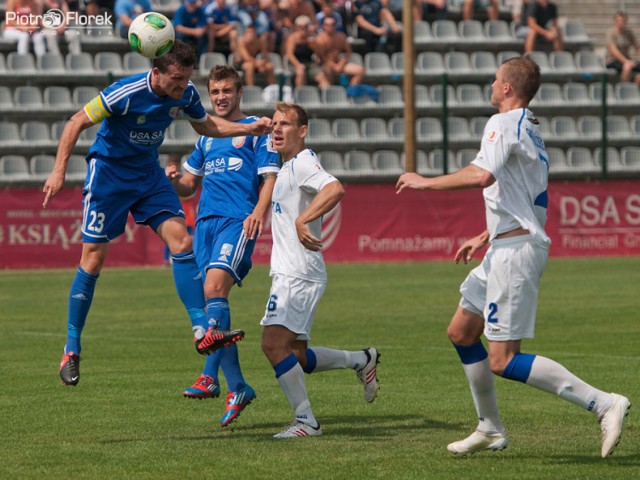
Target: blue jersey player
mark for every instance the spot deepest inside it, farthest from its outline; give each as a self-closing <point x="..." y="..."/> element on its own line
<point x="230" y="215"/>
<point x="124" y="176"/>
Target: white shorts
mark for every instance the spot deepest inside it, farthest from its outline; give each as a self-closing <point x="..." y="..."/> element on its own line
<point x="292" y="304"/>
<point x="504" y="288"/>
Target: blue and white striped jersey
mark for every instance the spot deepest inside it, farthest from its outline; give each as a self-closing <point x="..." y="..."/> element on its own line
<point x="231" y="168"/>
<point x="134" y="120"/>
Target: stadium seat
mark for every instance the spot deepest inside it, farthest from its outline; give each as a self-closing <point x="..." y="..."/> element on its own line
<point x="28" y="97"/>
<point x="476" y="126"/>
<point x="50" y="63"/>
<point x="545" y="126"/>
<point x="83" y="95"/>
<point x="9" y="134"/>
<point x="133" y="62"/>
<point x="471" y="31"/>
<point x="614" y="162"/>
<point x="557" y="161"/>
<point x="34" y="132"/>
<point x="580" y="160"/>
<point x="634" y="125"/>
<point x="595" y="92"/>
<point x="429" y="129"/>
<point x="422" y="163"/>
<point x="56" y="129"/>
<point x="390" y="96"/>
<point x="332" y="162"/>
<point x="397" y="62"/>
<point x="88" y="135"/>
<point x="588" y="61"/>
<point x="57" y="97"/>
<point x="630" y="159"/>
<point x="445" y="31"/>
<point x="564" y="127"/>
<point x="618" y="127"/>
<point x="395" y="127"/>
<point x="436" y="94"/>
<point x="108" y="62"/>
<point x="576" y="94"/>
<point x="377" y="64"/>
<point x="182" y="132"/>
<point x="422" y="33"/>
<point x="307" y="96"/>
<point x="436" y="161"/>
<point x="458" y="128"/>
<point x="574" y="32"/>
<point x="76" y="168"/>
<point x="430" y="63"/>
<point x="21" y="63"/>
<point x="548" y="94"/>
<point x="346" y="129"/>
<point x="319" y="129"/>
<point x="562" y="62"/>
<point x="6" y="98"/>
<point x="14" y="168"/>
<point x="80" y="63"/>
<point x="386" y="162"/>
<point x="421" y="96"/>
<point x="373" y="129"/>
<point x="357" y="161"/>
<point x="627" y="93"/>
<point x="502" y="56"/>
<point x="41" y="166"/>
<point x="542" y="60"/>
<point x="590" y="126"/>
<point x="483" y="62"/>
<point x="464" y="157"/>
<point x="498" y="31"/>
<point x="470" y="94"/>
<point x="457" y="63"/>
<point x="3" y="64"/>
<point x="334" y="96"/>
<point x="252" y="98"/>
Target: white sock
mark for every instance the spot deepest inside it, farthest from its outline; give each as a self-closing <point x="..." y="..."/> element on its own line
<point x="330" y="359"/>
<point x="483" y="391"/>
<point x="293" y="386"/>
<point x="552" y="377"/>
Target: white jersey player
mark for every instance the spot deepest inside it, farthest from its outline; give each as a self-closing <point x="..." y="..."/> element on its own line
<point x="302" y="194"/>
<point x="500" y="296"/>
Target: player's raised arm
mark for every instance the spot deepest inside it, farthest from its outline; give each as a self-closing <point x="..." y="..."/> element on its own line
<point x="218" y="127"/>
<point x="68" y="140"/>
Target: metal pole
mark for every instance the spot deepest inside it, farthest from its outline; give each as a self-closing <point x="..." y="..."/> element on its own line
<point x="408" y="48"/>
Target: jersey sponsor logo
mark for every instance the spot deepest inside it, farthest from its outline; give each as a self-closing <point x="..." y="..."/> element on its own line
<point x="207" y="144"/>
<point x="492" y="136"/>
<point x="269" y="144"/>
<point x="95" y="110"/>
<point x="146" y="138"/>
<point x="238" y="141"/>
<point x="173" y="112"/>
<point x="235" y="164"/>
<point x="141" y="120"/>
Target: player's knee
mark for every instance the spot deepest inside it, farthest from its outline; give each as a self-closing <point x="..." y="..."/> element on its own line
<point x="498" y="364"/>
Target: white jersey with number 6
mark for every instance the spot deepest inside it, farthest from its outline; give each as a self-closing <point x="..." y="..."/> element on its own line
<point x="298" y="182"/>
<point x="513" y="151"/>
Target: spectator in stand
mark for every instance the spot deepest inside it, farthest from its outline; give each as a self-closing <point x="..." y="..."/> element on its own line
<point x="246" y="57"/>
<point x="190" y="23"/>
<point x="21" y="26"/>
<point x="620" y="41"/>
<point x="425" y="9"/>
<point x="290" y="10"/>
<point x="222" y="27"/>
<point x="544" y="31"/>
<point x="250" y="13"/>
<point x="333" y="52"/>
<point x="469" y="7"/>
<point x="300" y="51"/>
<point x="93" y="7"/>
<point x="377" y="26"/>
<point x="519" y="10"/>
<point x="54" y="35"/>
<point x="125" y="11"/>
<point x="327" y="11"/>
<point x="342" y="8"/>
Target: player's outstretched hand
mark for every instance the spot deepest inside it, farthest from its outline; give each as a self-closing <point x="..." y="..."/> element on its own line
<point x="51" y="187"/>
<point x="410" y="180"/>
<point x="262" y="126"/>
<point x="172" y="172"/>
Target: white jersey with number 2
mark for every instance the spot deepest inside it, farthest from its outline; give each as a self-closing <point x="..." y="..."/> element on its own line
<point x="513" y="151"/>
<point x="298" y="182"/>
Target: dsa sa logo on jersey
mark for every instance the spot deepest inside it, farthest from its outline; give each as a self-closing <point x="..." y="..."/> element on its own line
<point x="238" y="141"/>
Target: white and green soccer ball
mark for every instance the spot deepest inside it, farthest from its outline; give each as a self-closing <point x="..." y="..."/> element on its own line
<point x="151" y="34"/>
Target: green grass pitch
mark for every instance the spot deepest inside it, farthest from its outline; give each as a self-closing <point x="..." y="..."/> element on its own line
<point x="128" y="419"/>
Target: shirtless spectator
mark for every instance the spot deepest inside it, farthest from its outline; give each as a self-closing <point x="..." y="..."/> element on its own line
<point x="333" y="53"/>
<point x="300" y="52"/>
<point x="252" y="56"/>
<point x="222" y="27"/>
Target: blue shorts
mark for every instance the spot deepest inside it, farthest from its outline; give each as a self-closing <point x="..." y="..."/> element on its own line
<point x="110" y="193"/>
<point x="220" y="242"/>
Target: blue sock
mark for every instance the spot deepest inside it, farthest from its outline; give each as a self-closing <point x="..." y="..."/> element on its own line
<point x="312" y="361"/>
<point x="471" y="353"/>
<point x="80" y="298"/>
<point x="188" y="280"/>
<point x="219" y="315"/>
<point x="519" y="367"/>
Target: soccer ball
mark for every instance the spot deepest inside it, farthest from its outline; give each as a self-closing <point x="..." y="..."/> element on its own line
<point x="151" y="34"/>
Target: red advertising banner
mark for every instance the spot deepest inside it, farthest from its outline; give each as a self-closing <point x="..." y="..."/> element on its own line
<point x="372" y="223"/>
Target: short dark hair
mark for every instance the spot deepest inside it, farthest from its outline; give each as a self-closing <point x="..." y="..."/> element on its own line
<point x="181" y="54"/>
<point x="524" y="76"/>
<point x="301" y="114"/>
<point x="223" y="72"/>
